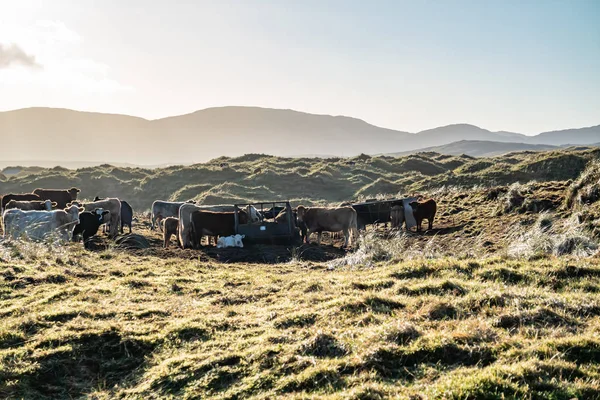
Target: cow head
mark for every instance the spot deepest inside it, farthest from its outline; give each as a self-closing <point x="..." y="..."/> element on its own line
<point x="300" y="211"/>
<point x="73" y="212"/>
<point x="414" y="205"/>
<point x="242" y="217"/>
<point x="73" y="192"/>
<point x="253" y="213"/>
<point x="102" y="215"/>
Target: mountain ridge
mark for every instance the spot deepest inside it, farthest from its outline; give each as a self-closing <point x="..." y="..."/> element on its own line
<point x="32" y="133"/>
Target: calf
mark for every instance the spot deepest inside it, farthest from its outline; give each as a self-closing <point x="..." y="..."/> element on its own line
<point x="424" y="210"/>
<point x="89" y="222"/>
<point x="319" y="219"/>
<point x="213" y="223"/>
<point x="62" y="197"/>
<point x="31" y="205"/>
<point x="18" y="197"/>
<point x="163" y="209"/>
<point x="170" y="227"/>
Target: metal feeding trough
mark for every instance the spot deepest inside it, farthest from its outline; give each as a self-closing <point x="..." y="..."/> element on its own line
<point x="378" y="211"/>
<point x="267" y="230"/>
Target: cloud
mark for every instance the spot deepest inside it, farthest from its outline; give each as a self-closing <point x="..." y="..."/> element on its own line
<point x="12" y="54"/>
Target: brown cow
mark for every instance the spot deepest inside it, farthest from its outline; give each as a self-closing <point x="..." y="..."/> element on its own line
<point x="31" y="205"/>
<point x="19" y="197"/>
<point x="170" y="226"/>
<point x="424" y="210"/>
<point x="214" y="223"/>
<point x="62" y="197"/>
<point x="319" y="219"/>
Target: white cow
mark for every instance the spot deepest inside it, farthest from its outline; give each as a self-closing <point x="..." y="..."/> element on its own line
<point x="230" y="241"/>
<point x="40" y="225"/>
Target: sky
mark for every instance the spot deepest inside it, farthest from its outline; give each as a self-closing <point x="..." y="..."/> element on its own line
<point x="521" y="66"/>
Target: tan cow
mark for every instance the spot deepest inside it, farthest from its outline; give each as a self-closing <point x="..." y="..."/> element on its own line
<point x="169" y="226"/>
<point x="397" y="216"/>
<point x="31" y="205"/>
<point x="325" y="219"/>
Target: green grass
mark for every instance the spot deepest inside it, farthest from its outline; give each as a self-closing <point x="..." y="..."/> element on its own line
<point x="144" y="326"/>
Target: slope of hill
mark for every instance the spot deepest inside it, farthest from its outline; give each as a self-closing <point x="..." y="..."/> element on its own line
<point x="255" y="177"/>
<point x="67" y="135"/>
<point x="478" y="148"/>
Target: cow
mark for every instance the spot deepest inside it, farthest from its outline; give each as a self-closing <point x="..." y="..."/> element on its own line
<point x="60" y="196"/>
<point x="320" y="219"/>
<point x="186" y="210"/>
<point x="272" y="212"/>
<point x="169" y="227"/>
<point x="397" y="216"/>
<point x="214" y="223"/>
<point x="162" y="209"/>
<point x="111" y="204"/>
<point x="40" y="225"/>
<point x="31" y="205"/>
<point x="281" y="218"/>
<point x="89" y="222"/>
<point x="424" y="209"/>
<point x="19" y="197"/>
<point x="126" y="214"/>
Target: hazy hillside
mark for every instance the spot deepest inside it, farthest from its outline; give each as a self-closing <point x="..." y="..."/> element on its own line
<point x="479" y="148"/>
<point x="67" y="135"/>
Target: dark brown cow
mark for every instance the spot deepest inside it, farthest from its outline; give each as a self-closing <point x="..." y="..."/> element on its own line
<point x="425" y="209"/>
<point x="62" y="197"/>
<point x="214" y="223"/>
<point x="19" y="197"/>
<point x="31" y="205"/>
<point x="325" y="219"/>
<point x="170" y="226"/>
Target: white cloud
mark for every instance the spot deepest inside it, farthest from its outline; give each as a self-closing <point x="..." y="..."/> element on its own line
<point x="54" y="46"/>
<point x="12" y="54"/>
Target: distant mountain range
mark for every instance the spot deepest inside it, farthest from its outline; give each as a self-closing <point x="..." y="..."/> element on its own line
<point x="68" y="136"/>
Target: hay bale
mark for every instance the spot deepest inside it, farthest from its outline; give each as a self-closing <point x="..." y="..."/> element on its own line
<point x="132" y="241"/>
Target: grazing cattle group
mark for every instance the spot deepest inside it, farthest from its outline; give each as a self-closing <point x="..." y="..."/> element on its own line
<point x="56" y="213"/>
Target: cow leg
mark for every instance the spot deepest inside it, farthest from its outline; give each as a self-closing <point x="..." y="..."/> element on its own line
<point x="130" y="229"/>
<point x="346" y="236"/>
<point x="319" y="238"/>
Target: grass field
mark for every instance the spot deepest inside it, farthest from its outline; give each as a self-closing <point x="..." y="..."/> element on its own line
<point x="500" y="300"/>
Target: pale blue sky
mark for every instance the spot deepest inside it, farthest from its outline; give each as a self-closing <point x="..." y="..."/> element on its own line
<point x="525" y="66"/>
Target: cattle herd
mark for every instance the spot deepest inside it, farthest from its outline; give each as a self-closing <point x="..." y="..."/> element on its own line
<point x="58" y="214"/>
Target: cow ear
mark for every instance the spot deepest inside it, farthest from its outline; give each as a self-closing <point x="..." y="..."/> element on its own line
<point x="80" y="209"/>
<point x="54" y="204"/>
<point x="105" y="212"/>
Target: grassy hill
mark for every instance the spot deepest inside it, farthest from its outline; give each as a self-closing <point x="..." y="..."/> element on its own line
<point x="303" y="180"/>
